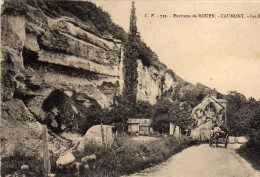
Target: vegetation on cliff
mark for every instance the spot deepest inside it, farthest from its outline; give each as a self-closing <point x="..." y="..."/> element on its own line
<point x="89" y="13"/>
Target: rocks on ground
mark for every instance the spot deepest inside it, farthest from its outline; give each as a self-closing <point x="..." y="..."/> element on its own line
<point x="65" y="159"/>
<point x="94" y="135"/>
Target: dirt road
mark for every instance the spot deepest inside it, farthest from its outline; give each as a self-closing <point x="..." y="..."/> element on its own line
<point x="203" y="161"/>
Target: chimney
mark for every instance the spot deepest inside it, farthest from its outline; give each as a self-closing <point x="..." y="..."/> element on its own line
<point x="214" y="93"/>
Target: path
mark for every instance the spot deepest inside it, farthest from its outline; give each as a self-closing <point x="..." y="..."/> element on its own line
<point x="203" y="161"/>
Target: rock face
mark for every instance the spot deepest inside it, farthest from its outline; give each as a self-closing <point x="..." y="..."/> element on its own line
<point x="45" y="49"/>
<point x="48" y="52"/>
<point x="17" y="136"/>
<point x="149" y="82"/>
<point x="20" y="134"/>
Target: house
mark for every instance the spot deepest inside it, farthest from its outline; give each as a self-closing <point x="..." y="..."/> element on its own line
<point x="210" y="111"/>
<point x="210" y="108"/>
<point x="139" y="125"/>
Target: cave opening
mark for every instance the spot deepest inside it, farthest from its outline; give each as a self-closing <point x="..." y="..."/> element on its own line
<point x="29" y="57"/>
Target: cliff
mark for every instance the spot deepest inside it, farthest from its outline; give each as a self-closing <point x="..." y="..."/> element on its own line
<point x="48" y="51"/>
<point x="61" y="57"/>
<point x="50" y="58"/>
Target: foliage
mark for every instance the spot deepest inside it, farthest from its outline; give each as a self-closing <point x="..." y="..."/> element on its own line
<point x="146" y="55"/>
<point x="121" y="110"/>
<point x="118" y="114"/>
<point x="130" y="62"/>
<point x="12" y="164"/>
<point x="244" y="120"/>
<point x="134" y="157"/>
<point x="89" y="13"/>
<point x="236" y="110"/>
<point x="191" y="97"/>
<point x="186" y="92"/>
<point x="251" y="153"/>
<point x="143" y="109"/>
<point x="92" y="115"/>
<point x="86" y="12"/>
<point x="166" y="111"/>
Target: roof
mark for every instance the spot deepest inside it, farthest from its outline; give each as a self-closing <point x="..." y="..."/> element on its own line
<point x="144" y="125"/>
<point x="217" y="101"/>
<point x="139" y="121"/>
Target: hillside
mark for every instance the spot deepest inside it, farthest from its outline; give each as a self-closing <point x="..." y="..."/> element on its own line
<point x="62" y="59"/>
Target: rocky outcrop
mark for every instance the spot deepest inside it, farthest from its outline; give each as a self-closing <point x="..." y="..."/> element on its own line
<point x="57" y="52"/>
<point x="98" y="135"/>
<point x="149" y="83"/>
<point x="47" y="51"/>
<point x="57" y="66"/>
<point x="21" y="134"/>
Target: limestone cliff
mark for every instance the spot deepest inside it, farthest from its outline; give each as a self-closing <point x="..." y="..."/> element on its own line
<point x="58" y="57"/>
<point x="149" y="83"/>
<point x="49" y="52"/>
<point x="42" y="52"/>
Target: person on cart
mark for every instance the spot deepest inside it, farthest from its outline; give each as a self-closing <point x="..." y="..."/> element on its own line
<point x="218" y="130"/>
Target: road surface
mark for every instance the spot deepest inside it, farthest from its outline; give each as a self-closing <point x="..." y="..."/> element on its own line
<point x="203" y="161"/>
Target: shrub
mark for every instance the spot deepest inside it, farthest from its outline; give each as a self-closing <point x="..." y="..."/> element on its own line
<point x="134" y="157"/>
<point x="12" y="164"/>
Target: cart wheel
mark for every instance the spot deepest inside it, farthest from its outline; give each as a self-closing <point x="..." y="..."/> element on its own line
<point x="226" y="141"/>
<point x="210" y="141"/>
<point x="215" y="142"/>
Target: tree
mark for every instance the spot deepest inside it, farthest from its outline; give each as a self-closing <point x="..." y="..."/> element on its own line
<point x="130" y="61"/>
<point x="133" y="20"/>
<point x="143" y="109"/>
<point x="236" y="104"/>
<point x="166" y="111"/>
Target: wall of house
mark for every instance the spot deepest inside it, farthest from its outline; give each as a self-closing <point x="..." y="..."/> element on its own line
<point x="202" y="132"/>
<point x="133" y="128"/>
<point x="202" y="113"/>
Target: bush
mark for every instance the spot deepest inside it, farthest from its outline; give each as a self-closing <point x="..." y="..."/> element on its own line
<point x="165" y="111"/>
<point x="251" y="153"/>
<point x="12" y="164"/>
<point x="135" y="156"/>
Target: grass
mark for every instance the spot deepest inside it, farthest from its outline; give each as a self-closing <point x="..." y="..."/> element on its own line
<point x="11" y="165"/>
<point x="134" y="157"/>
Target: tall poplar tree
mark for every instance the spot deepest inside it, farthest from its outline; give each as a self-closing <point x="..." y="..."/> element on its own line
<point x="130" y="61"/>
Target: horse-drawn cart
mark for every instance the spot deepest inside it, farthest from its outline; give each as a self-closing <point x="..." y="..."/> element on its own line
<point x="219" y="136"/>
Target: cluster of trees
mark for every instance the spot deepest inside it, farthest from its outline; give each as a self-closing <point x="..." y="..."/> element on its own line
<point x="243" y="117"/>
<point x="165" y="111"/>
<point x="162" y="113"/>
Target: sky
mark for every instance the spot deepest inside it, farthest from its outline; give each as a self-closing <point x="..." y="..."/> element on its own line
<point x="222" y="53"/>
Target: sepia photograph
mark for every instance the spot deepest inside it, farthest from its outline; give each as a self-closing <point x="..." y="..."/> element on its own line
<point x="130" y="88"/>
